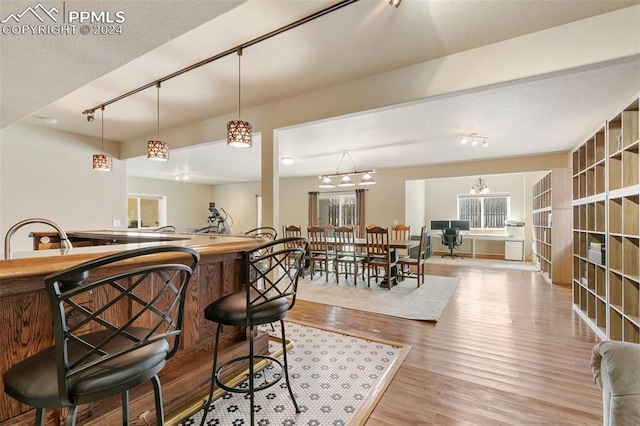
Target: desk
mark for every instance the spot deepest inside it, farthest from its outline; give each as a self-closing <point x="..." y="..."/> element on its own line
<point x="495" y="237"/>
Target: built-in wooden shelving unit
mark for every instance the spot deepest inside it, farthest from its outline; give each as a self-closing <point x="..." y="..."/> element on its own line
<point x="606" y="227"/>
<point x="552" y="244"/>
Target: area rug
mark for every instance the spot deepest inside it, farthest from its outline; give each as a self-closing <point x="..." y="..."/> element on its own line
<point x="485" y="263"/>
<point x="405" y="300"/>
<point x="337" y="380"/>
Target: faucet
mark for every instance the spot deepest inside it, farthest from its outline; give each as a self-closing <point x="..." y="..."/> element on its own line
<point x="65" y="244"/>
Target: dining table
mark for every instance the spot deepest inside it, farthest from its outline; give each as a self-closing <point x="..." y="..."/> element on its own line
<point x="393" y="244"/>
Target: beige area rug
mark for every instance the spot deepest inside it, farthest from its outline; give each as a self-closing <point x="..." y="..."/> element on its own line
<point x="405" y="300"/>
<point x="485" y="263"/>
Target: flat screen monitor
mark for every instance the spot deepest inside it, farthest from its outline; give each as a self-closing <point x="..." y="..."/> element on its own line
<point x="462" y="225"/>
<point x="437" y="225"/>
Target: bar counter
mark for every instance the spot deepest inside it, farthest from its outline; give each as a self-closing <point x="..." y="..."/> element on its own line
<point x="25" y="316"/>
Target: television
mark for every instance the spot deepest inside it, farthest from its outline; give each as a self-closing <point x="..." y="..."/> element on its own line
<point x="463" y="225"/>
<point x="437" y="225"/>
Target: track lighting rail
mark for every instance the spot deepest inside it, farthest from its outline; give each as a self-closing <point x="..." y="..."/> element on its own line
<point x="228" y="52"/>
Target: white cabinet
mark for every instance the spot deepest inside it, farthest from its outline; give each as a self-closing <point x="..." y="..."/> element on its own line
<point x="514" y="250"/>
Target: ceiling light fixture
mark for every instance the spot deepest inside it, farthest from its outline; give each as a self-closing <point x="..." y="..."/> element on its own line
<point x="395" y="3"/>
<point x="287" y="161"/>
<point x="102" y="162"/>
<point x="238" y="131"/>
<point x="474" y="139"/>
<point x="480" y="187"/>
<point x="345" y="180"/>
<point x="156" y="149"/>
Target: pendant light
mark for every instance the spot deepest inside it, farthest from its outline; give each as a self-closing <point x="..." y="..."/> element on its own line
<point x="102" y="162"/>
<point x="156" y="149"/>
<point x="345" y="178"/>
<point x="238" y="131"/>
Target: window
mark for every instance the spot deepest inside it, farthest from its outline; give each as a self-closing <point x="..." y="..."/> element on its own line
<point x="488" y="211"/>
<point x="146" y="211"/>
<point x="337" y="210"/>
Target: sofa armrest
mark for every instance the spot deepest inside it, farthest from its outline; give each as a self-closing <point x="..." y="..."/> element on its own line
<point x="616" y="370"/>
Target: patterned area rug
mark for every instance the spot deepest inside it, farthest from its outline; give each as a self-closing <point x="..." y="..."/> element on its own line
<point x="337" y="380"/>
<point x="405" y="300"/>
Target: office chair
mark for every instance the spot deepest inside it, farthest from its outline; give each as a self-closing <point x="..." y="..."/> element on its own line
<point x="112" y="331"/>
<point x="451" y="238"/>
<point x="267" y="298"/>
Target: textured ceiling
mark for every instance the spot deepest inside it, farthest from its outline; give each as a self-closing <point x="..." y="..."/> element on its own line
<point x="360" y="40"/>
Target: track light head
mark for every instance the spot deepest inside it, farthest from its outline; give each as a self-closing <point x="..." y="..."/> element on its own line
<point x="90" y="116"/>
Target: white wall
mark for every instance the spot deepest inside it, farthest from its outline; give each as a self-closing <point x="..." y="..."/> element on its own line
<point x="187" y="203"/>
<point x="442" y="204"/>
<point x="46" y="173"/>
<point x="239" y="201"/>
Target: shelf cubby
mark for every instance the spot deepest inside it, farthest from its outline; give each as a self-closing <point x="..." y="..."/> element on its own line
<point x="615" y="324"/>
<point x="631" y="295"/>
<point x="615" y="171"/>
<point x="614" y="248"/>
<point x="615" y="215"/>
<point x="631" y="251"/>
<point x="615" y="290"/>
<point x="631" y="331"/>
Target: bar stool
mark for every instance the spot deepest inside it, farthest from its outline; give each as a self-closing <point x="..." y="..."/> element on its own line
<point x="267" y="297"/>
<point x="111" y="332"/>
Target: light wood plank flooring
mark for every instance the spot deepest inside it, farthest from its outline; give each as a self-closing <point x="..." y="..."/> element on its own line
<point x="508" y="350"/>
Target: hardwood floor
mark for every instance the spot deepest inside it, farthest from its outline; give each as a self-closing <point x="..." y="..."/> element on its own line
<point x="508" y="350"/>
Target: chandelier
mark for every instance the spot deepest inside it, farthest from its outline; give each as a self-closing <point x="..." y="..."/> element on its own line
<point x="480" y="187"/>
<point x="345" y="178"/>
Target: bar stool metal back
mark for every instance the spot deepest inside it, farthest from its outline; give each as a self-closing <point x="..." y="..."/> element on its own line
<point x="112" y="331"/>
<point x="268" y="296"/>
<point x="266" y="232"/>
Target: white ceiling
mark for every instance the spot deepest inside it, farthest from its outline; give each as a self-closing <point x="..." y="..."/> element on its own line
<point x="363" y="39"/>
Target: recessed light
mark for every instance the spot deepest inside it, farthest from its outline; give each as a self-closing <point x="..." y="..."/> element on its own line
<point x="49" y="120"/>
<point x="287" y="161"/>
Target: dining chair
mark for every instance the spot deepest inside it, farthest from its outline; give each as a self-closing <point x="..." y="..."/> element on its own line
<point x="347" y="255"/>
<point x="319" y="251"/>
<point x="407" y="262"/>
<point x="267" y="297"/>
<point x="380" y="255"/>
<point x="112" y="331"/>
<point x="401" y="232"/>
<point x="294" y="231"/>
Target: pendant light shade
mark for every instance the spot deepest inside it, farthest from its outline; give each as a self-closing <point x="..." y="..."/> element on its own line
<point x="102" y="162"/>
<point x="156" y="149"/>
<point x="238" y="131"/>
<point x="239" y="134"/>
